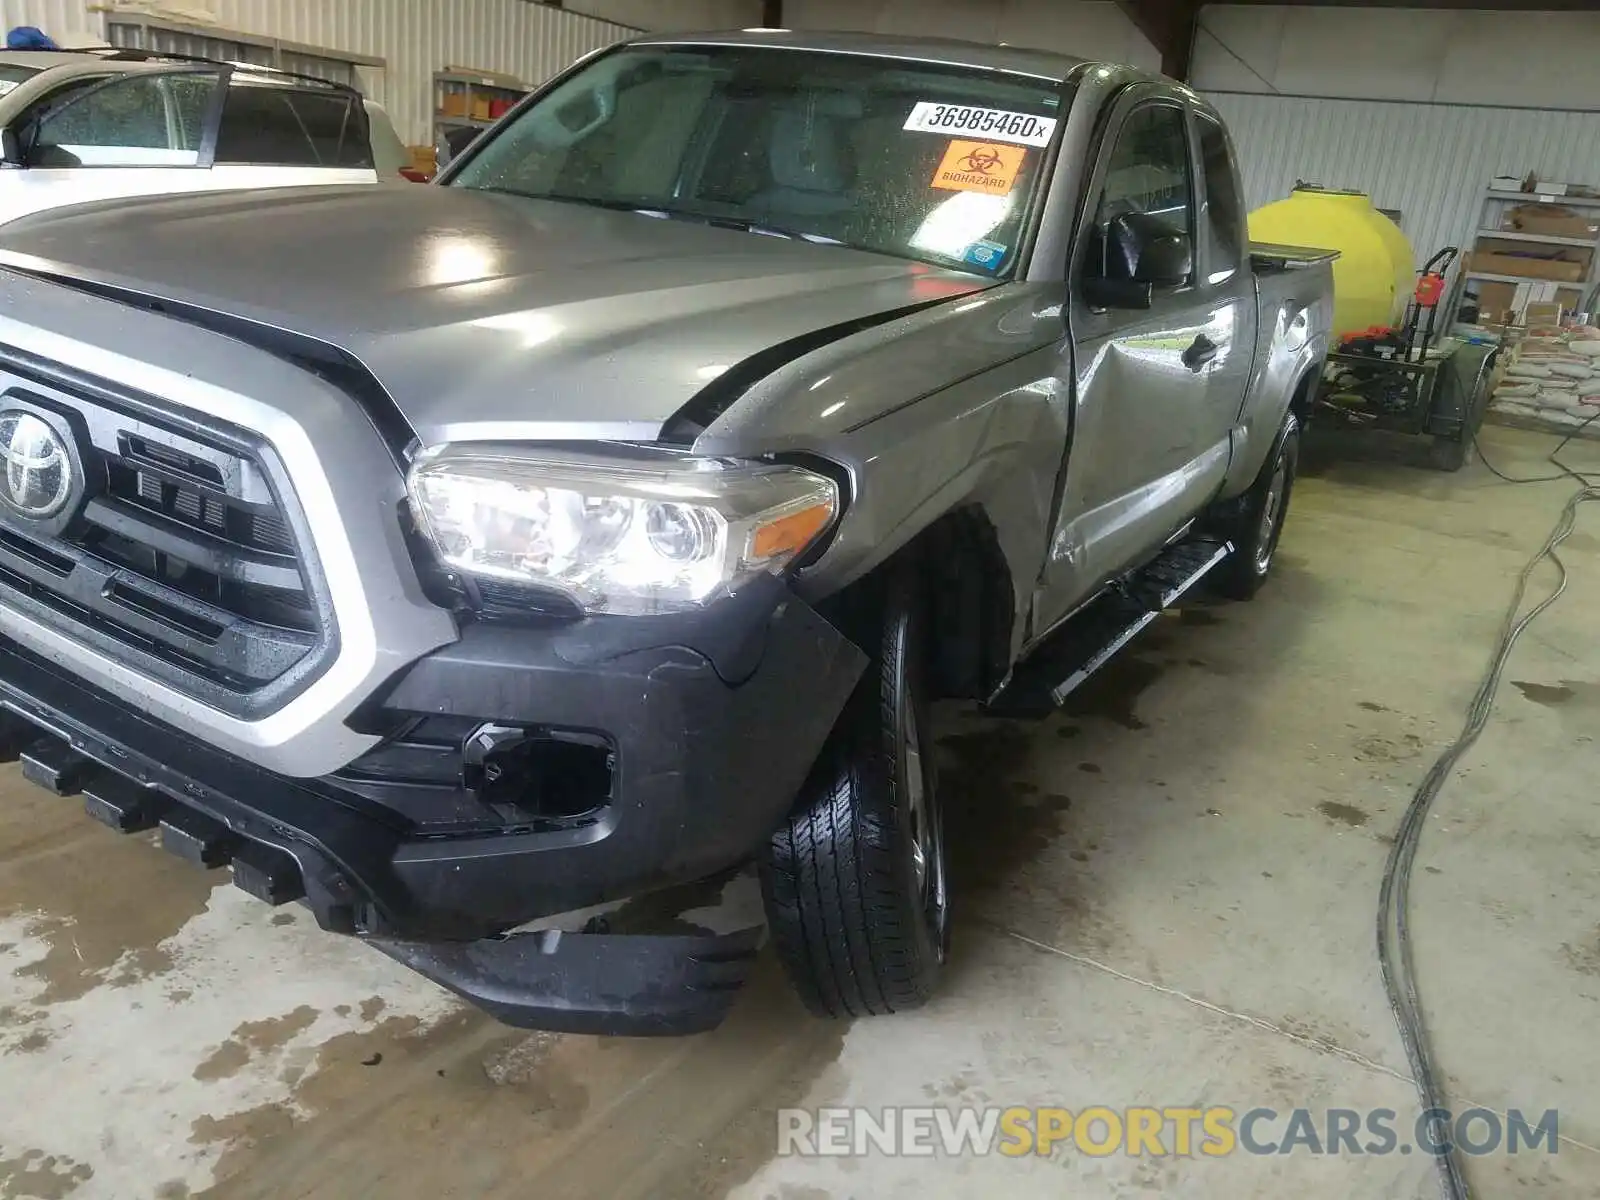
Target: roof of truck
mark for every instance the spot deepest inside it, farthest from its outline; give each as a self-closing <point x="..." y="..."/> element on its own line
<point x="1041" y="64"/>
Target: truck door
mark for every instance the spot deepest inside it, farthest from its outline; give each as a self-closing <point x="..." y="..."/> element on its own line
<point x="1147" y="450"/>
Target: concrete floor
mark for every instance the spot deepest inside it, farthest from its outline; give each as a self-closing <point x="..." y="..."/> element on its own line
<point x="1166" y="895"/>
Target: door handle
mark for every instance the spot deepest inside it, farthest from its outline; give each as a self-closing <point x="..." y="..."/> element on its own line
<point x="1201" y="351"/>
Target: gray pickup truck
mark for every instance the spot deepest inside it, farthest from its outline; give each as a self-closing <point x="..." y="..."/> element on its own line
<point x="475" y="563"/>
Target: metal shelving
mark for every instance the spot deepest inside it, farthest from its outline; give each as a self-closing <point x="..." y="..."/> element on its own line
<point x="1488" y="277"/>
<point x="469" y="99"/>
<point x="1543" y="198"/>
<point x="1510" y="235"/>
<point x="1580" y="287"/>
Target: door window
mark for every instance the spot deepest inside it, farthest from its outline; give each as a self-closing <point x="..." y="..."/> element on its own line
<point x="144" y="120"/>
<point x="11" y="76"/>
<point x="270" y="124"/>
<point x="1148" y="173"/>
<point x="1224" y="209"/>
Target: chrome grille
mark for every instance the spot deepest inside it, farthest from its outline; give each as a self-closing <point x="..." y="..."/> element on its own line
<point x="179" y="558"/>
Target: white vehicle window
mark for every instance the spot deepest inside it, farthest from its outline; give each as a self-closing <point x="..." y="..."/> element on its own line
<point x="144" y="120"/>
<point x="12" y="76"/>
<point x="273" y="124"/>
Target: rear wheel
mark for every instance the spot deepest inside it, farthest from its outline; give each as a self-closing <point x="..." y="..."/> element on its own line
<point x="1255" y="522"/>
<point x="1447" y="454"/>
<point x="855" y="882"/>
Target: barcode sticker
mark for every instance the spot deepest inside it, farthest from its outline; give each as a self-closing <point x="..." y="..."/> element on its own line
<point x="992" y="124"/>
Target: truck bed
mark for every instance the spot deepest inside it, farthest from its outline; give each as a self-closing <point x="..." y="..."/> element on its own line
<point x="1268" y="257"/>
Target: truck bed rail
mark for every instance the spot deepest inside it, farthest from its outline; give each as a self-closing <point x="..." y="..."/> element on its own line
<point x="1269" y="257"/>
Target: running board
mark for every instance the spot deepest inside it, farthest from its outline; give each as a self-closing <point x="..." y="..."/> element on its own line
<point x="1044" y="680"/>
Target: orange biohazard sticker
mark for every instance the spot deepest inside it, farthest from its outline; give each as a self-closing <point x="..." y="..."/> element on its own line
<point x="990" y="167"/>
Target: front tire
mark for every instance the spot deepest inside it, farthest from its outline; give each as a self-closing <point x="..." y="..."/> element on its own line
<point x="855" y="883"/>
<point x="1256" y="523"/>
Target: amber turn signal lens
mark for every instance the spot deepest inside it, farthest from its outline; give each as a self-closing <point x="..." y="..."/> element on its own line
<point x="791" y="534"/>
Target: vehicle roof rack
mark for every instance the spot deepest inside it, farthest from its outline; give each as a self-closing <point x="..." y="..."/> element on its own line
<point x="134" y="54"/>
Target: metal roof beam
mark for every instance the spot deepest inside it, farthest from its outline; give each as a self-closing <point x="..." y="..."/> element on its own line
<point x="1170" y="27"/>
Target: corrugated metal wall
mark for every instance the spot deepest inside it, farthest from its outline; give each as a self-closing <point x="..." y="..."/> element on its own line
<point x="1087" y="28"/>
<point x="416" y="37"/>
<point x="1432" y="162"/>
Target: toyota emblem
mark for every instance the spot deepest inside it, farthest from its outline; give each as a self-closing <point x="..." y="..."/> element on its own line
<point x="38" y="474"/>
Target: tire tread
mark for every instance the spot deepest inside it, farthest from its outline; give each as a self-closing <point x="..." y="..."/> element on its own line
<point x="836" y="893"/>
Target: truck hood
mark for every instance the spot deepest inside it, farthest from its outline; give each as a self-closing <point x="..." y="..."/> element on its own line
<point x="483" y="315"/>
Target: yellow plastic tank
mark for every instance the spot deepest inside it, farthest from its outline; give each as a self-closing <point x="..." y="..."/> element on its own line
<point x="1372" y="278"/>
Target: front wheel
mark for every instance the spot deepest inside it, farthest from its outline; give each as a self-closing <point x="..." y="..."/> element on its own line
<point x="1256" y="523"/>
<point x="855" y="882"/>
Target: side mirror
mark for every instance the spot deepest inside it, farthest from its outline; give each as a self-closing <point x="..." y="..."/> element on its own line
<point x="11" y="148"/>
<point x="1147" y="249"/>
<point x="1142" y="252"/>
<point x="1102" y="293"/>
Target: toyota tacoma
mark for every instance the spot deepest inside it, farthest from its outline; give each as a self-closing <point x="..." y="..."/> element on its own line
<point x="605" y="519"/>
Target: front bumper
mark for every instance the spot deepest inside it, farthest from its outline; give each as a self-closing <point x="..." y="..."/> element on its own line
<point x="712" y="723"/>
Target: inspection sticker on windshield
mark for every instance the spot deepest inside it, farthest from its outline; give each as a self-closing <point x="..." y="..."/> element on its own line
<point x="980" y="167"/>
<point x="986" y="254"/>
<point x="994" y="123"/>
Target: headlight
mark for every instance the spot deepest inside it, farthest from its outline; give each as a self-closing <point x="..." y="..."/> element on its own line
<point x="655" y="533"/>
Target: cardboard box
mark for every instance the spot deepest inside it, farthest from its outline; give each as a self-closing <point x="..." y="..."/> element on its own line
<point x="1494" y="302"/>
<point x="480" y="108"/>
<point x="1581" y="256"/>
<point x="1544" y="312"/>
<point x="1525" y="266"/>
<point x="454" y="104"/>
<point x="424" y="160"/>
<point x="1502" y="303"/>
<point x="1551" y="220"/>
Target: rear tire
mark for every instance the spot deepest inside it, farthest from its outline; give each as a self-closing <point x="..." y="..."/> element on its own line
<point x="1447" y="454"/>
<point x="855" y="882"/>
<point x="1256" y="521"/>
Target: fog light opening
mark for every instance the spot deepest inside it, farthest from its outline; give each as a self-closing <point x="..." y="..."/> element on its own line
<point x="543" y="774"/>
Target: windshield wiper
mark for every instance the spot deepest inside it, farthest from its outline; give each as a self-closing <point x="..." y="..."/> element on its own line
<point x="646" y="208"/>
<point x="616" y="205"/>
<point x="633" y="206"/>
<point x="760" y="228"/>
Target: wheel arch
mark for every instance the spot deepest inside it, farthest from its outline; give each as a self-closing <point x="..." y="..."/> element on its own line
<point x="966" y="582"/>
<point x="1303" y="396"/>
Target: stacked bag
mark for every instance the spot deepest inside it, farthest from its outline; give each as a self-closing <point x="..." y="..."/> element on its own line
<point x="1555" y="377"/>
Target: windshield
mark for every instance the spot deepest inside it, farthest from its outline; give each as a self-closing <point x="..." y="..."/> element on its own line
<point x="920" y="161"/>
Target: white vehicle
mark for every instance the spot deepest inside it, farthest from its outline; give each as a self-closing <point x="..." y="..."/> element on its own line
<point x="79" y="126"/>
